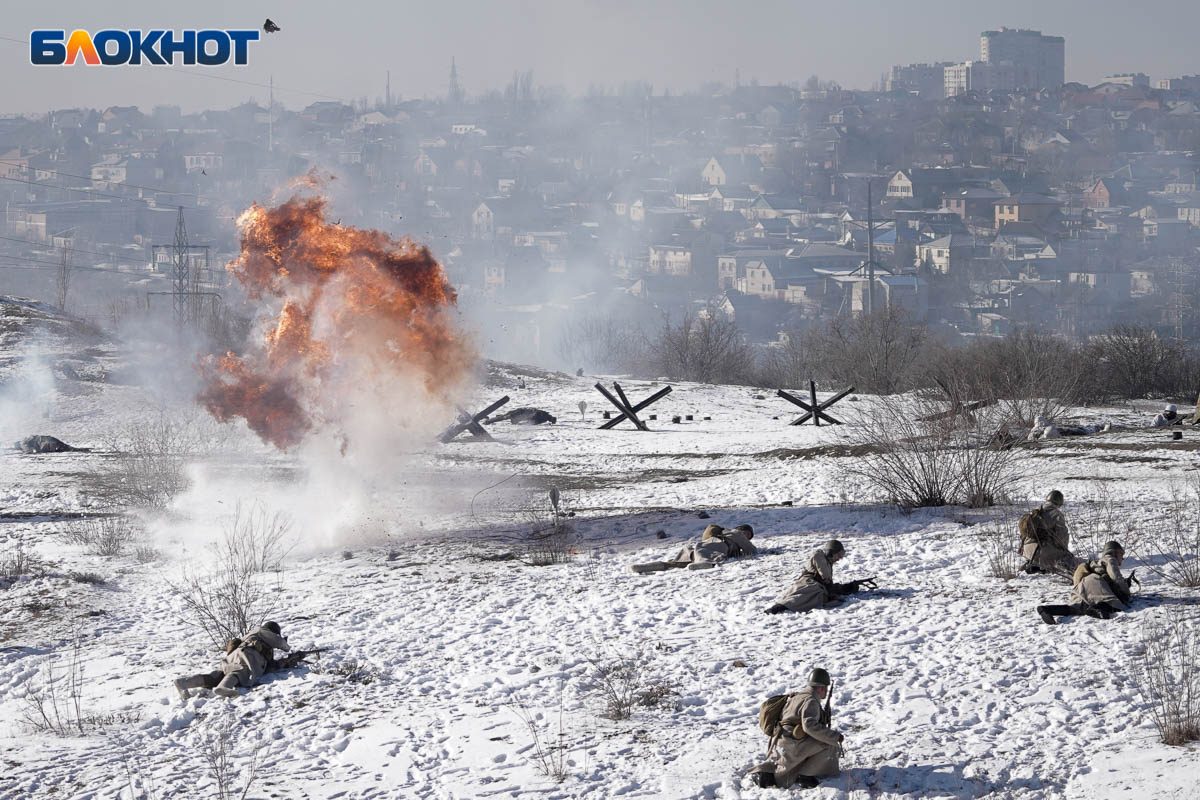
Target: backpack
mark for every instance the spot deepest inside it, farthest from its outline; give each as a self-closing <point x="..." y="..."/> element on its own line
<point x="232" y="644"/>
<point x="770" y="714"/>
<point x="1032" y="527"/>
<point x="1084" y="569"/>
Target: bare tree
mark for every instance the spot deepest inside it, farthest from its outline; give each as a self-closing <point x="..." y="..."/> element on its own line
<point x="706" y="347"/>
<point x="1135" y="361"/>
<point x="875" y="352"/>
<point x="602" y="344"/>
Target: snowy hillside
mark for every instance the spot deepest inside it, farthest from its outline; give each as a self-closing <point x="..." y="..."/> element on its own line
<point x="440" y="639"/>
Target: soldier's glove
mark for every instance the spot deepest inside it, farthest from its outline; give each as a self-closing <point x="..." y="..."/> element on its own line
<point x="776" y="609"/>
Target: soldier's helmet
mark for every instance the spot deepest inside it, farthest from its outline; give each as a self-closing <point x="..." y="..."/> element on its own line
<point x="833" y="547"/>
<point x="746" y="529"/>
<point x="1055" y="497"/>
<point x="1113" y="546"/>
<point x="1170" y="408"/>
<point x="273" y="627"/>
<point x="818" y="677"/>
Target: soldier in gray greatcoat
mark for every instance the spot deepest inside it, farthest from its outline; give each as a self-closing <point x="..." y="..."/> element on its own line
<point x="715" y="545"/>
<point x="806" y="748"/>
<point x="243" y="665"/>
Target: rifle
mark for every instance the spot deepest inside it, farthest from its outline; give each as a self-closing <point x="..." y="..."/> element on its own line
<point x="296" y="657"/>
<point x="853" y="587"/>
<point x="828" y="714"/>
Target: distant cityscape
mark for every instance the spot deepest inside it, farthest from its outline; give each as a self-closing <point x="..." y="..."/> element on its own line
<point x="992" y="194"/>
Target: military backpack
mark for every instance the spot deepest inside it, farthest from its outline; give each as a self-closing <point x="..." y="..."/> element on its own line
<point x="1084" y="569"/>
<point x="770" y="714"/>
<point x="232" y="644"/>
<point x="1033" y="527"/>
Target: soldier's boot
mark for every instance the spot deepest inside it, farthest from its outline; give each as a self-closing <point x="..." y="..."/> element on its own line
<point x="776" y="609"/>
<point x="1046" y="616"/>
<point x="182" y="685"/>
<point x="227" y="687"/>
<point x="807" y="782"/>
<point x="763" y="780"/>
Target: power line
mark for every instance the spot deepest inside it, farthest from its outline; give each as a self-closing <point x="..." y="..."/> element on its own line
<point x="130" y="259"/>
<point x="93" y="180"/>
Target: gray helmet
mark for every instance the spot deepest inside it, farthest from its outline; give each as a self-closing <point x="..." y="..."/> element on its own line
<point x="1170" y="408"/>
<point x="818" y="677"/>
<point x="273" y="627"/>
<point x="833" y="547"/>
<point x="1113" y="546"/>
<point x="1055" y="497"/>
<point x="746" y="529"/>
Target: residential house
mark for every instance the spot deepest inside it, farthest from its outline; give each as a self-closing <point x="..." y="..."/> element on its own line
<point x="947" y="255"/>
<point x="1037" y="209"/>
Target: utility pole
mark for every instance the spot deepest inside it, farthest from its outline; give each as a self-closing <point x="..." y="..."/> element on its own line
<point x="181" y="277"/>
<point x="387" y="102"/>
<point x="870" y="252"/>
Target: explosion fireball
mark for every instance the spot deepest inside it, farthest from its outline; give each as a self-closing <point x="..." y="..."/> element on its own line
<point x="357" y="317"/>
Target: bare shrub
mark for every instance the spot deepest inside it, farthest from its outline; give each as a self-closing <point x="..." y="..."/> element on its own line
<point x="1168" y="674"/>
<point x="146" y="554"/>
<point x="103" y="536"/>
<point x="706" y="347"/>
<point x="787" y="363"/>
<point x="1002" y="558"/>
<point x="152" y="456"/>
<point x="1175" y="538"/>
<point x="548" y="537"/>
<point x="919" y="454"/>
<point x="54" y="702"/>
<point x="623" y="680"/>
<point x="90" y="578"/>
<point x="1134" y="361"/>
<point x="230" y="780"/>
<point x="549" y="742"/>
<point x="1025" y="375"/>
<point x="1099" y="519"/>
<point x="16" y="562"/>
<point x="238" y="592"/>
<point x="351" y="670"/>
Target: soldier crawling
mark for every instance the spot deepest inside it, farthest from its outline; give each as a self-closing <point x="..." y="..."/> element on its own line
<point x="1100" y="588"/>
<point x="803" y="747"/>
<point x="244" y="663"/>
<point x="815" y="587"/>
<point x="715" y="545"/>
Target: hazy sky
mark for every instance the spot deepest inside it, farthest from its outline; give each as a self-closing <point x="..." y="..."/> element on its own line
<point x="342" y="49"/>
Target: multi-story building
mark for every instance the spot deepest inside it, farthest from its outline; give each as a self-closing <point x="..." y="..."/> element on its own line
<point x="1187" y="83"/>
<point x="1039" y="62"/>
<point x="1130" y="79"/>
<point x="978" y="76"/>
<point x="927" y="80"/>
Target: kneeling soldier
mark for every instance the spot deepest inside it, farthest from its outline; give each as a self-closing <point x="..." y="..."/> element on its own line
<point x="804" y="748"/>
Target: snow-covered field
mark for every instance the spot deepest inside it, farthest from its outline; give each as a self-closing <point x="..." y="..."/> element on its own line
<point x="946" y="682"/>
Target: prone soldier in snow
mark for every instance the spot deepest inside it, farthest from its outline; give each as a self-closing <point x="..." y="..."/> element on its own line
<point x="803" y="747"/>
<point x="715" y="545"/>
<point x="1045" y="538"/>
<point x="815" y="587"/>
<point x="1100" y="588"/>
<point x="245" y="661"/>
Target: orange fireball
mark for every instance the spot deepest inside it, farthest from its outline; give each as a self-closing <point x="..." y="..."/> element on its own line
<point x="347" y="306"/>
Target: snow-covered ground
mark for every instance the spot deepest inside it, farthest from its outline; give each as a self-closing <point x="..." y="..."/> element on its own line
<point x="946" y="683"/>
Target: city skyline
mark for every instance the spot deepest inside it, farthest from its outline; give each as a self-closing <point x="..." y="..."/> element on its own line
<point x="575" y="45"/>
